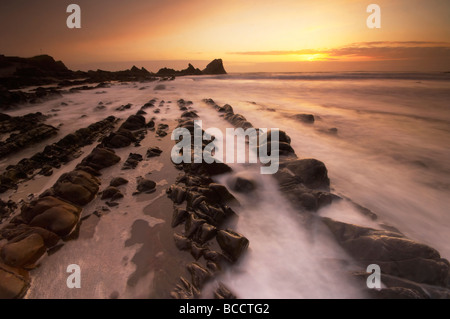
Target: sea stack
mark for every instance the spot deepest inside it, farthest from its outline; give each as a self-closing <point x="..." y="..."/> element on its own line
<point x="215" y="67"/>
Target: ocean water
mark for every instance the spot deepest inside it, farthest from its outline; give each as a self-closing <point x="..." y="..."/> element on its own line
<point x="388" y="151"/>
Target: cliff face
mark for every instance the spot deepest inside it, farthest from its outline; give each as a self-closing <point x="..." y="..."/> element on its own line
<point x="215" y="67"/>
<point x="16" y="72"/>
<point x="39" y="66"/>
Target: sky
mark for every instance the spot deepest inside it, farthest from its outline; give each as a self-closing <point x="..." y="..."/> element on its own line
<point x="250" y="35"/>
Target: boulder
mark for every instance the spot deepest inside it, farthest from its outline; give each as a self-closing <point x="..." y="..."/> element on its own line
<point x="145" y="185"/>
<point x="394" y="253"/>
<point x="206" y="232"/>
<point x="222" y="292"/>
<point x="185" y="290"/>
<point x="111" y="192"/>
<point x="182" y="242"/>
<point x="21" y="231"/>
<point x="309" y="172"/>
<point x="154" y="151"/>
<point x="23" y="252"/>
<point x="305" y="118"/>
<point x="189" y="114"/>
<point x="199" y="274"/>
<point x="219" y="193"/>
<point x="118" y="181"/>
<point x="242" y="183"/>
<point x="215" y="67"/>
<point x="14" y="282"/>
<point x="232" y="244"/>
<point x="77" y="187"/>
<point x="192" y="225"/>
<point x="58" y="220"/>
<point x="39" y="206"/>
<point x="101" y="158"/>
<point x="133" y="123"/>
<point x="132" y="161"/>
<point x="119" y="139"/>
<point x="179" y="216"/>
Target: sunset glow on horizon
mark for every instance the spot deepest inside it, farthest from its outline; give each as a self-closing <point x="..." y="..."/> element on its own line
<point x="248" y="36"/>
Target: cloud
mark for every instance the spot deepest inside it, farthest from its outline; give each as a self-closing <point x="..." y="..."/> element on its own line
<point x="380" y="50"/>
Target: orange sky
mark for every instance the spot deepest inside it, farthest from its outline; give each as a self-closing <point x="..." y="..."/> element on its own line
<point x="250" y="35"/>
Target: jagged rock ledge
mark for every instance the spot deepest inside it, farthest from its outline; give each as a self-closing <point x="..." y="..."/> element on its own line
<point x="410" y="269"/>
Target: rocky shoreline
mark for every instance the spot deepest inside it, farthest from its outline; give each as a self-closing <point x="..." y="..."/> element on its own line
<point x="410" y="270"/>
<point x="203" y="212"/>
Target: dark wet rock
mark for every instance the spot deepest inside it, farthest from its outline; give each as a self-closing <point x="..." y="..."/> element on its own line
<point x="308" y="201"/>
<point x="284" y="149"/>
<point x="151" y="124"/>
<point x="133" y="123"/>
<point x="145" y="185"/>
<point x="209" y="169"/>
<point x="41" y="205"/>
<point x="30" y="136"/>
<point x="182" y="242"/>
<point x="132" y="161"/>
<point x="196" y="251"/>
<point x="111" y="192"/>
<point x="192" y="225"/>
<point x="242" y="183"/>
<point x="233" y="244"/>
<point x="189" y="114"/>
<point x="163" y="126"/>
<point x="215" y="67"/>
<point x="282" y="137"/>
<point x="305" y="118"/>
<point x="7" y="208"/>
<point x="21" y="231"/>
<point x="395" y="254"/>
<point x="23" y="252"/>
<point x="124" y="107"/>
<point x="119" y="139"/>
<point x="220" y="193"/>
<point x="176" y="193"/>
<point x="332" y="131"/>
<point x="206" y="232"/>
<point x="222" y="292"/>
<point x="154" y="151"/>
<point x="214" y="256"/>
<point x="118" y="181"/>
<point x="213" y="267"/>
<point x="199" y="274"/>
<point x="77" y="187"/>
<point x="101" y="158"/>
<point x="89" y="170"/>
<point x="299" y="180"/>
<point x="46" y="170"/>
<point x="226" y="109"/>
<point x="161" y="133"/>
<point x="238" y="120"/>
<point x="58" y="220"/>
<point x="111" y="204"/>
<point x="141" y="112"/>
<point x="185" y="290"/>
<point x="14" y="282"/>
<point x="309" y="172"/>
<point x="179" y="216"/>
